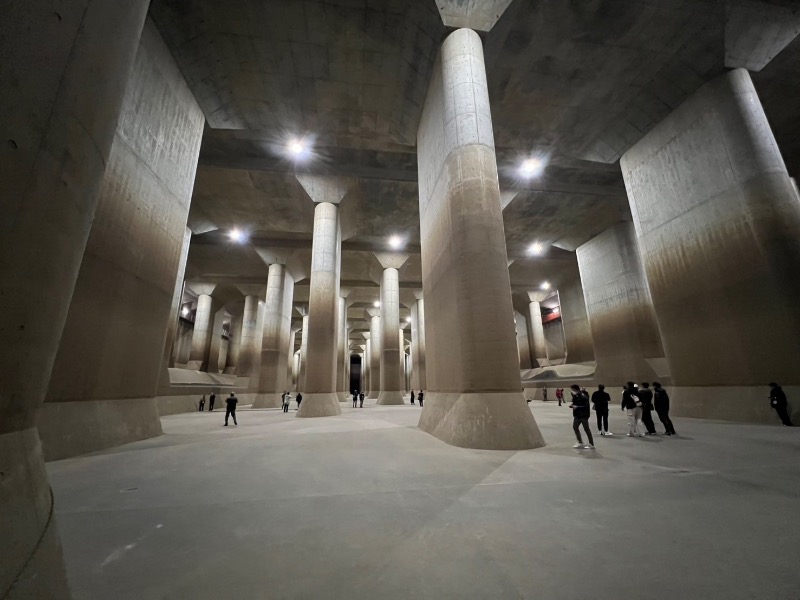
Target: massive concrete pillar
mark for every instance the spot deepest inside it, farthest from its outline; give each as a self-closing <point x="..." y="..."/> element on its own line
<point x="293" y="364"/>
<point x="204" y="316"/>
<point x="59" y="107"/>
<point x="716" y="219"/>
<point x="250" y="339"/>
<point x="365" y="365"/>
<point x="627" y="345"/>
<point x="391" y="374"/>
<point x="418" y="379"/>
<point x="374" y="343"/>
<point x="575" y="322"/>
<point x="301" y="375"/>
<point x="474" y="398"/>
<point x="523" y="344"/>
<point x="215" y="347"/>
<point x="105" y="376"/>
<point x="177" y="294"/>
<point x="342" y="352"/>
<point x="235" y="344"/>
<point x="536" y="338"/>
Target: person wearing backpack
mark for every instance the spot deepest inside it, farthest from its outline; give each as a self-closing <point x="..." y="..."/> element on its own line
<point x="580" y="416"/>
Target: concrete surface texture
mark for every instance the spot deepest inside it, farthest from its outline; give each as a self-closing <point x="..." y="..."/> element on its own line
<point x="365" y="505"/>
<point x="418" y="376"/>
<point x="374" y="352"/>
<point x="536" y="339"/>
<point x="472" y="366"/>
<point x="391" y="391"/>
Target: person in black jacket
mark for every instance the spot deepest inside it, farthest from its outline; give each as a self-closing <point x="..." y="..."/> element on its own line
<point x="421" y="398"/>
<point x="646" y="396"/>
<point x="580" y="416"/>
<point x="600" y="399"/>
<point x="661" y="403"/>
<point x="211" y="400"/>
<point x="230" y="410"/>
<point x="777" y="399"/>
<point x="633" y="406"/>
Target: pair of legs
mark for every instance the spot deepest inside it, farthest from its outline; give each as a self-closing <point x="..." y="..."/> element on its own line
<point x="230" y="413"/>
<point x="582" y="421"/>
<point x="783" y="413"/>
<point x="663" y="416"/>
<point x="285" y="408"/>
<point x="355" y="400"/>
<point x="635" y="421"/>
<point x="602" y="421"/>
<point x="647" y="419"/>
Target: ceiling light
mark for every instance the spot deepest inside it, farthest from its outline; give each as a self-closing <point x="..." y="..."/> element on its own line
<point x="376" y="304"/>
<point x="546" y="285"/>
<point x="184" y="311"/>
<point x="237" y="236"/>
<point x="408" y="319"/>
<point x="396" y="242"/>
<point x="531" y="167"/>
<point x="555" y="310"/>
<point x="535" y="248"/>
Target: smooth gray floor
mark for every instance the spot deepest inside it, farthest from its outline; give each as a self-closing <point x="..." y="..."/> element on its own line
<point x="364" y="505"/>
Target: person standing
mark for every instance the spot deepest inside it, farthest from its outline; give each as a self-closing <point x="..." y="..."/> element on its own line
<point x="646" y="397"/>
<point x="299" y="400"/>
<point x="560" y="395"/>
<point x="580" y="416"/>
<point x="287" y="398"/>
<point x="600" y="399"/>
<point x="355" y="398"/>
<point x="412" y="397"/>
<point x="661" y="404"/>
<point x="211" y="401"/>
<point x="544" y="393"/>
<point x="202" y="403"/>
<point x="633" y="406"/>
<point x="420" y="398"/>
<point x="778" y="401"/>
<point x="230" y="408"/>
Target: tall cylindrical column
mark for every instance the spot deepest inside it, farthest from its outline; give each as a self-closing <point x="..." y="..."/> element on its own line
<point x="418" y="380"/>
<point x="374" y="354"/>
<point x="248" y="347"/>
<point x="275" y="338"/>
<point x="342" y="351"/>
<point x="475" y="397"/>
<point x="235" y="344"/>
<point x="201" y="336"/>
<point x="536" y="335"/>
<point x="303" y="357"/>
<point x="365" y="366"/>
<point x="391" y="387"/>
<point x="319" y="398"/>
<point x="59" y="130"/>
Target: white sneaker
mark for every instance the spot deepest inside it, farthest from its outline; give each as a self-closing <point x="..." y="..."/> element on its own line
<point x="630" y="435"/>
<point x="578" y="445"/>
<point x="609" y="433"/>
<point x="589" y="447"/>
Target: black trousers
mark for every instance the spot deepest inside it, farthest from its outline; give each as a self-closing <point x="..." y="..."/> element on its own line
<point x="210" y="405"/>
<point x="663" y="416"/>
<point x="783" y="414"/>
<point x="230" y="412"/>
<point x="285" y="408"/>
<point x="647" y="419"/>
<point x="577" y="422"/>
<point x="602" y="419"/>
<point x="354" y="402"/>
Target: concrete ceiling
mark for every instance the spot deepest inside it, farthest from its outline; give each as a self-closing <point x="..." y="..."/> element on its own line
<point x="574" y="81"/>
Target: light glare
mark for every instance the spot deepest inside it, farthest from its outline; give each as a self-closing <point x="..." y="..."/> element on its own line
<point x="236" y="236"/>
<point x="396" y="242"/>
<point x="376" y="304"/>
<point x="531" y="168"/>
<point x="546" y="285"/>
<point x="535" y="248"/>
<point x="408" y="319"/>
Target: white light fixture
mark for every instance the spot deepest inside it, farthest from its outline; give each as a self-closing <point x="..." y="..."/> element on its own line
<point x="531" y="167"/>
<point x="376" y="304"/>
<point x="396" y="242"/>
<point x="546" y="285"/>
<point x="535" y="248"/>
<point x="184" y="311"/>
<point x="555" y="310"/>
<point x="408" y="319"/>
<point x="237" y="236"/>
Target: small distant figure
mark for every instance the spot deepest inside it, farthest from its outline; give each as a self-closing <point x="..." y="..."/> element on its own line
<point x="412" y="396"/>
<point x="544" y="393"/>
<point x="633" y="406"/>
<point x="361" y="400"/>
<point x="211" y="402"/>
<point x="778" y="401"/>
<point x="230" y="408"/>
<point x="202" y="403"/>
<point x="287" y="398"/>
<point x="661" y="404"/>
<point x="299" y="399"/>
<point x="580" y="416"/>
<point x="420" y="397"/>
<point x="646" y="396"/>
<point x="355" y="398"/>
<point x="600" y="400"/>
<point x="560" y="395"/>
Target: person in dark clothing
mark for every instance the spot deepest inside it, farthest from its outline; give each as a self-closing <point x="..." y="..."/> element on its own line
<point x="633" y="406"/>
<point x="544" y="393"/>
<point x="412" y="396"/>
<point x="560" y="395"/>
<point x="661" y="404"/>
<point x="230" y="410"/>
<point x="778" y="401"/>
<point x="202" y="403"/>
<point x="361" y="400"/>
<point x="600" y="399"/>
<point x="580" y="416"/>
<point x="355" y="399"/>
<point x="646" y="397"/>
<point x="211" y="402"/>
<point x="420" y="397"/>
<point x="299" y="399"/>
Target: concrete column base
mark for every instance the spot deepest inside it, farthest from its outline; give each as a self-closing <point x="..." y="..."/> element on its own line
<point x="373" y="395"/>
<point x="272" y="400"/>
<point x="389" y="398"/>
<point x="481" y="420"/>
<point x="173" y="405"/>
<point x="731" y="403"/>
<point x="319" y="405"/>
<point x="28" y="528"/>
<point x="343" y="396"/>
<point x="71" y="428"/>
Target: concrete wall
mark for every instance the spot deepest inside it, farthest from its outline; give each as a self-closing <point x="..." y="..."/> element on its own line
<point x="554" y="337"/>
<point x="523" y="344"/>
<point x="717" y="220"/>
<point x="621" y="317"/>
<point x="575" y="321"/>
<point x="114" y="336"/>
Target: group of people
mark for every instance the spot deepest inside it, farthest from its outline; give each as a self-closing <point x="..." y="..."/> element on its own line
<point x="638" y="402"/>
<point x="286" y="400"/>
<point x="358" y="396"/>
<point x="559" y="395"/>
<point x="420" y="397"/>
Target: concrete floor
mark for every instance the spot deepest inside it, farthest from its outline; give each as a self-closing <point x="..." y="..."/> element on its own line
<point x="364" y="505"/>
